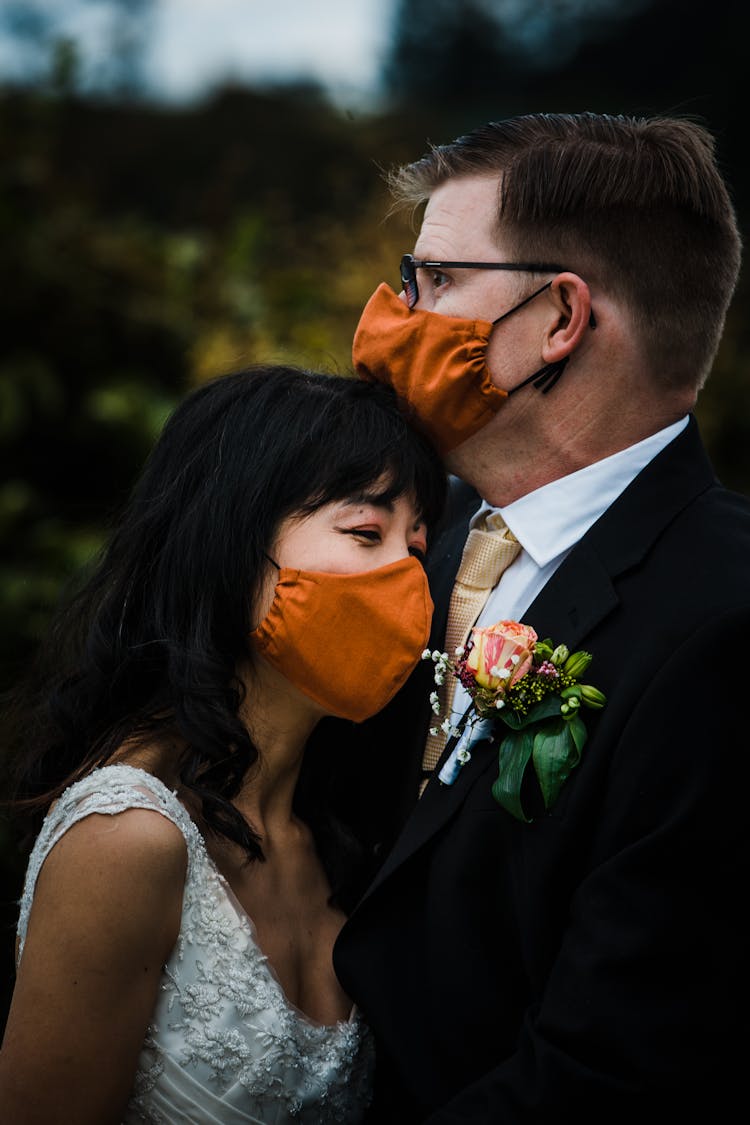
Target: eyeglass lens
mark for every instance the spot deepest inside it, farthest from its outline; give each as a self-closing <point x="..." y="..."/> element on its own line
<point x="409" y="280"/>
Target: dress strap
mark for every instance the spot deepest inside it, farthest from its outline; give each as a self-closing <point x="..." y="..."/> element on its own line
<point x="108" y="790"/>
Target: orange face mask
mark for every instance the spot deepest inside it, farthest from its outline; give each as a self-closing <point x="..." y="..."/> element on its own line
<point x="437" y="363"/>
<point x="347" y="641"/>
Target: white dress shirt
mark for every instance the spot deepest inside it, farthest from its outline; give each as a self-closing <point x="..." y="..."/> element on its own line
<point x="548" y="523"/>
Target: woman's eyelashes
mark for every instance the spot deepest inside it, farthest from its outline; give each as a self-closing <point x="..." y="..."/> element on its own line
<point x="369" y="534"/>
<point x="372" y="536"/>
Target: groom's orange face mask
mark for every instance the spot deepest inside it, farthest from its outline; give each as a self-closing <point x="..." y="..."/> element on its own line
<point x="438" y="364"/>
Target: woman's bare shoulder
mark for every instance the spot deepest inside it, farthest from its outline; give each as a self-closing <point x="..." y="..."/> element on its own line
<point x="139" y="841"/>
<point x="104" y="919"/>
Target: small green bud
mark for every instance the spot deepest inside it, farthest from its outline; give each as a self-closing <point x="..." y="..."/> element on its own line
<point x="577" y="664"/>
<point x="592" y="697"/>
<point x="560" y="655"/>
<point x="569" y="692"/>
<point x="543" y="649"/>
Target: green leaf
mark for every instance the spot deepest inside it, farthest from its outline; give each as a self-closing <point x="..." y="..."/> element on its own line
<point x="545" y="709"/>
<point x="555" y="754"/>
<point x="513" y="757"/>
<point x="577" y="729"/>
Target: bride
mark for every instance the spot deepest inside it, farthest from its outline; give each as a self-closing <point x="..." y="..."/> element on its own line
<point x="189" y="877"/>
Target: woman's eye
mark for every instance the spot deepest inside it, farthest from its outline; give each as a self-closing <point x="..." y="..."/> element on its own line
<point x="438" y="279"/>
<point x="371" y="535"/>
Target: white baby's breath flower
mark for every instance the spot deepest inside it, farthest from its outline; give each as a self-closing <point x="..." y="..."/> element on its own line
<point x="499" y="704"/>
<point x="433" y="731"/>
<point x="515" y="659"/>
<point x="426" y="655"/>
<point x="460" y="651"/>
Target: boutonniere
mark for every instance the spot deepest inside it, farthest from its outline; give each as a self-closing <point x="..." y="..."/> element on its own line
<point x="534" y="688"/>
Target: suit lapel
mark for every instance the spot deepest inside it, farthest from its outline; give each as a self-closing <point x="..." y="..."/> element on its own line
<point x="567" y="610"/>
<point x="577" y="598"/>
<point x="582" y="590"/>
<point x="436" y="807"/>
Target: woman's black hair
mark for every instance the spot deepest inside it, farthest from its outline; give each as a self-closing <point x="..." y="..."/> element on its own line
<point x="150" y="645"/>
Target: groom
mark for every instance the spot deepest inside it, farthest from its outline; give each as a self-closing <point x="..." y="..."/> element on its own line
<point x="586" y="961"/>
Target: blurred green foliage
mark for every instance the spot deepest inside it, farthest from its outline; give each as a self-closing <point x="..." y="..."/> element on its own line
<point x="145" y="250"/>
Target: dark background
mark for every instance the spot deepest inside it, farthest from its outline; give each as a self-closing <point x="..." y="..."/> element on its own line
<point x="146" y="247"/>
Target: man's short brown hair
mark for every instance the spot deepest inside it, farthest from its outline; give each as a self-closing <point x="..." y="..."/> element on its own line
<point x="635" y="205"/>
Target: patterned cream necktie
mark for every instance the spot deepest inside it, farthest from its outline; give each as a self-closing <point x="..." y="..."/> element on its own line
<point x="486" y="554"/>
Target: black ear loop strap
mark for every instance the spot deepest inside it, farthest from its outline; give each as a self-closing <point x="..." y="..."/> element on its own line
<point x="546" y="377"/>
<point x="272" y="561"/>
<point x="525" y="301"/>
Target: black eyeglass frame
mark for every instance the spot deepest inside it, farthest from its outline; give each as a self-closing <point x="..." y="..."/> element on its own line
<point x="410" y="265"/>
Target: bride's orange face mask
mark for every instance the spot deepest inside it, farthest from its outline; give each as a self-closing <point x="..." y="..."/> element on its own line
<point x="347" y="641"/>
<point x="438" y="364"/>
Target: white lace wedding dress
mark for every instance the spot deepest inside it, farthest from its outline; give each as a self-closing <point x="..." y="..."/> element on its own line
<point x="224" y="1045"/>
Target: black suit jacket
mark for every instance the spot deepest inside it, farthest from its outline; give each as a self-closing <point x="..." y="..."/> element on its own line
<point x="591" y="964"/>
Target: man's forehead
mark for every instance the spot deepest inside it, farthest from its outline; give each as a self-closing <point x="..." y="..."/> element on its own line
<point x="460" y="219"/>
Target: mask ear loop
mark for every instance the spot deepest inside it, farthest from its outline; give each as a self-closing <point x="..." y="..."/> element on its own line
<point x="546" y="377"/>
<point x="525" y="301"/>
<point x="272" y="561"/>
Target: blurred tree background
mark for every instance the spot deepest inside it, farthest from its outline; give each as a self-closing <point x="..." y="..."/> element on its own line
<point x="147" y="247"/>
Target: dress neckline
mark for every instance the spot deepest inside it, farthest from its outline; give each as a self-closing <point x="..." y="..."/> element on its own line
<point x="243" y="917"/>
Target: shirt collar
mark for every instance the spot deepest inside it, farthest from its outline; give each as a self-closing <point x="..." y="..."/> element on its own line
<point x="552" y="519"/>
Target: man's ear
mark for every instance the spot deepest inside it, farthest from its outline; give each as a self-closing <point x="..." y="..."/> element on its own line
<point x="570" y="295"/>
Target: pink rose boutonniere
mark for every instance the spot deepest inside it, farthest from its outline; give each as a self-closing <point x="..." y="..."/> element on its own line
<point x="533" y="687"/>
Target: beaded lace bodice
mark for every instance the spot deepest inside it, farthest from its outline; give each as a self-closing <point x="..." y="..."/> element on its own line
<point x="224" y="1045"/>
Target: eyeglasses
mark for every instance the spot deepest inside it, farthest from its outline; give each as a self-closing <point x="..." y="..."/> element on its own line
<point x="410" y="265"/>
